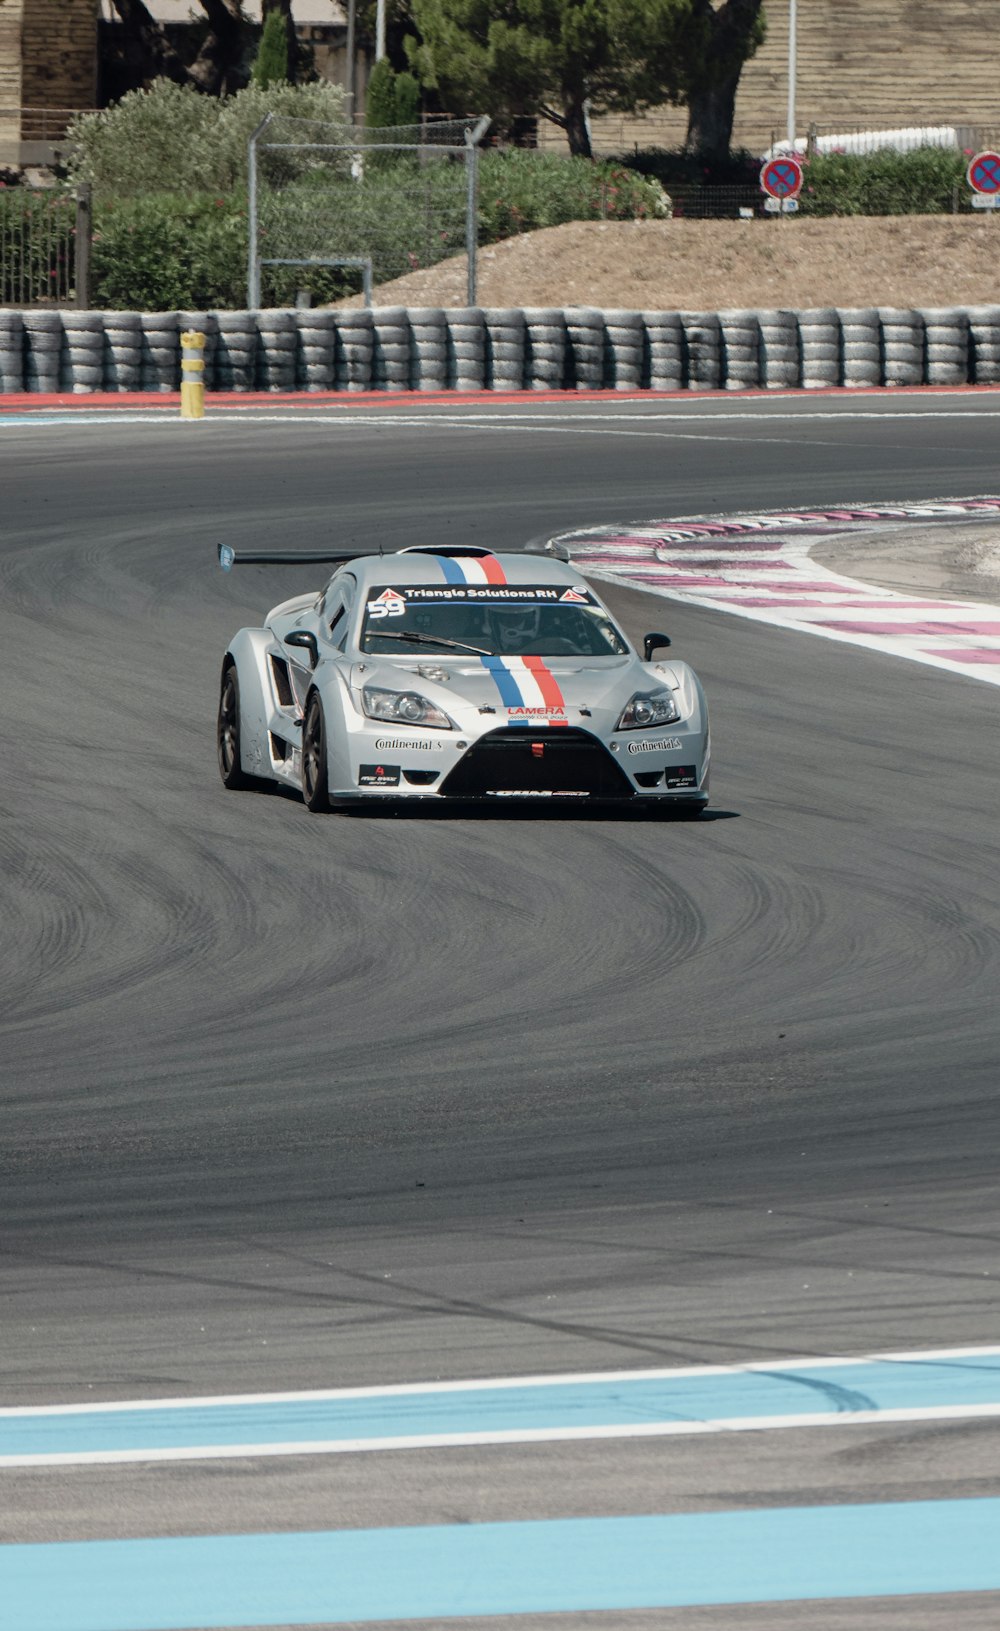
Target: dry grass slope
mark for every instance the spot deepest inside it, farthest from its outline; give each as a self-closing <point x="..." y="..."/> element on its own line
<point x="710" y="265"/>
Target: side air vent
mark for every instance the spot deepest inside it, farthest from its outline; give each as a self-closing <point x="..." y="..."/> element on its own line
<point x="282" y="683"/>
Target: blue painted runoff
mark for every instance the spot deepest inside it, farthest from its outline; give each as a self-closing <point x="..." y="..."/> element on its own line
<point x="560" y="1566"/>
<point x="832" y="1390"/>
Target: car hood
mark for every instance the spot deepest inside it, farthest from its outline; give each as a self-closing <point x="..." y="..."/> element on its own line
<point x="487" y="695"/>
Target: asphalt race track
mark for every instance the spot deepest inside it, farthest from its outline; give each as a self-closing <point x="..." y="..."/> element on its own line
<point x="293" y="1102"/>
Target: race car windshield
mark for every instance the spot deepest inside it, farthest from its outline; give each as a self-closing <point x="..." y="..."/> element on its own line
<point x="512" y="621"/>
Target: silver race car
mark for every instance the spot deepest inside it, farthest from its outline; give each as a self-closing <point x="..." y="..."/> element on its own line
<point x="455" y="675"/>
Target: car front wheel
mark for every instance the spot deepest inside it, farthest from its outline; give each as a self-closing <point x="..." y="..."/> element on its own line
<point x="229" y="736"/>
<point x="315" y="774"/>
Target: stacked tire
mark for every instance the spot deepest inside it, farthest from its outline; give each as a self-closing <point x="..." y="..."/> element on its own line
<point x="160" y="354"/>
<point x="82" y="361"/>
<point x="466" y="327"/>
<point x="780" y="357"/>
<point x="861" y="344"/>
<point x="506" y="339"/>
<point x="390" y="348"/>
<point x="624" y="350"/>
<point x="584" y="349"/>
<point x="235" y="350"/>
<point x="703" y="343"/>
<point x="11" y="351"/>
<point x="820" y="345"/>
<point x="984" y="344"/>
<point x="740" y="335"/>
<point x="315" y="334"/>
<point x="277" y="343"/>
<point x="902" y="346"/>
<point x="947" y="346"/>
<point x="355" y="337"/>
<point x="665" y="350"/>
<point x="43" y="342"/>
<point x="122" y="351"/>
<point x="429" y="349"/>
<point x="544" y="348"/>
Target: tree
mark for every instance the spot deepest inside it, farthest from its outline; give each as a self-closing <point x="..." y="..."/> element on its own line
<point x="559" y="59"/>
<point x="271" y="65"/>
<point x="217" y="66"/>
<point x="715" y="44"/>
<point x="391" y="98"/>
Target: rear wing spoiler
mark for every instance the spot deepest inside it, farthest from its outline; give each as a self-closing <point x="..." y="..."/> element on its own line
<point x="230" y="557"/>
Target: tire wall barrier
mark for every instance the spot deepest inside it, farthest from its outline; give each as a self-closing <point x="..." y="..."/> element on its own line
<point x="425" y="348"/>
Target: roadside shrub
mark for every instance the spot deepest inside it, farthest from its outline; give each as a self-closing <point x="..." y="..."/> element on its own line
<point x="520" y="190"/>
<point x="172" y="138"/>
<point x="674" y="169"/>
<point x="188" y="249"/>
<point x="921" y="182"/>
<point x="169" y="251"/>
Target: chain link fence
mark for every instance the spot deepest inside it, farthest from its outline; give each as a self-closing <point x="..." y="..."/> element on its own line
<point x="323" y="195"/>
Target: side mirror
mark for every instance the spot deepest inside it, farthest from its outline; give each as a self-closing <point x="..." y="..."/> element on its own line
<point x="306" y="642"/>
<point x="652" y="643"/>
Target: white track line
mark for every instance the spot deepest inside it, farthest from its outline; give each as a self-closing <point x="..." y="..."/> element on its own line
<point x="672" y="1373"/>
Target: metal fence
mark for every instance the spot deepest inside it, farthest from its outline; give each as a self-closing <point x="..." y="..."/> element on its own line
<point x="323" y="195"/>
<point x="44" y="246"/>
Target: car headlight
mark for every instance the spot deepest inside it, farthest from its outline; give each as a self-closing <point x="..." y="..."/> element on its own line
<point x="646" y="709"/>
<point x="403" y="708"/>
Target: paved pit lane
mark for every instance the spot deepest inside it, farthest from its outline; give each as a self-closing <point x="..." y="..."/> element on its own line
<point x="295" y="1103"/>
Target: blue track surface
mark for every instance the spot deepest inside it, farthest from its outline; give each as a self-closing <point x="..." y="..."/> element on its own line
<point x="438" y="1573"/>
<point x="833" y="1390"/>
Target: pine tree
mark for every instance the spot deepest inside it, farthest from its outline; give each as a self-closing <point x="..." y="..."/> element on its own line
<point x="272" y="54"/>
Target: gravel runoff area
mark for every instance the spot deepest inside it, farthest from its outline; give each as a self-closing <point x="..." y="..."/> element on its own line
<point x="684" y="265"/>
<point x="956" y="562"/>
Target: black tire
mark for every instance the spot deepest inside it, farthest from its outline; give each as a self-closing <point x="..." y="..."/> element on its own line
<point x="228" y="735"/>
<point x="315" y="771"/>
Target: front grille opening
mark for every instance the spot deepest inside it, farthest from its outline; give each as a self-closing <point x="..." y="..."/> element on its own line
<point x="421" y="778"/>
<point x="280" y="749"/>
<point x="648" y="778"/>
<point x="507" y="762"/>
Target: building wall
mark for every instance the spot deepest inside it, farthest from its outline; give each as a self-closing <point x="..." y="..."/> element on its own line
<point x="862" y="64"/>
<point x="10" y="80"/>
<point x="48" y="60"/>
<point x="59" y="53"/>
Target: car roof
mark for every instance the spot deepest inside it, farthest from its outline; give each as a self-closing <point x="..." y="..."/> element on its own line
<point x="422" y="567"/>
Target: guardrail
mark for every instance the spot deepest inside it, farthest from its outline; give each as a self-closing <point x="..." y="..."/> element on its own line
<point x="398" y="348"/>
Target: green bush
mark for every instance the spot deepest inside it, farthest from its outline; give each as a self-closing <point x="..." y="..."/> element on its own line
<point x="674" y="169"/>
<point x="919" y="183"/>
<point x="520" y="190"/>
<point x="170" y="137"/>
<point x="189" y="248"/>
<point x="168" y="252"/>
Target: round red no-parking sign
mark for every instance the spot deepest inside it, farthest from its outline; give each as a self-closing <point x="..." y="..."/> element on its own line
<point x="983" y="173"/>
<point x="782" y="178"/>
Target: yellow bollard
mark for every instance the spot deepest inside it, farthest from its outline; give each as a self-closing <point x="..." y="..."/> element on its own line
<point x="192" y="375"/>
